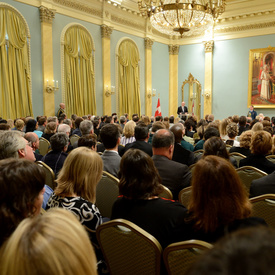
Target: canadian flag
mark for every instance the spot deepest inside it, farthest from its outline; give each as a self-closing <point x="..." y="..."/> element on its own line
<point x="193" y="108"/>
<point x="158" y="110"/>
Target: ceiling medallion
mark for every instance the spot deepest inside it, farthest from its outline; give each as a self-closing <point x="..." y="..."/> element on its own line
<point x="182" y="17"/>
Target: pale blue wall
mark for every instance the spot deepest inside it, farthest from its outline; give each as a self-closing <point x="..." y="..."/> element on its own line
<point x="59" y="23"/>
<point x="230" y="75"/>
<point x="191" y="60"/>
<point x="160" y="77"/>
<point x="32" y="18"/>
<point x="115" y="39"/>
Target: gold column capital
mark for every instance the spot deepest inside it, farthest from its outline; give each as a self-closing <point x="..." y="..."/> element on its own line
<point x="106" y="31"/>
<point x="148" y="42"/>
<point x="46" y="14"/>
<point x="209" y="45"/>
<point x="174" y="49"/>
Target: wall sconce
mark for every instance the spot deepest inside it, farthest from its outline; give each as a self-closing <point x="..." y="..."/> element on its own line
<point x="108" y="92"/>
<point x="206" y="94"/>
<point x="52" y="88"/>
<point x="151" y="94"/>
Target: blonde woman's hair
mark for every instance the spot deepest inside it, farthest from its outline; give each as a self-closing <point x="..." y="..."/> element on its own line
<point x="223" y="126"/>
<point x="257" y="127"/>
<point x="129" y="129"/>
<point x="80" y="174"/>
<point x="53" y="243"/>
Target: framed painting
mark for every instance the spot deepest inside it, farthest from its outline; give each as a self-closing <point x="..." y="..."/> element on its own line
<point x="261" y="83"/>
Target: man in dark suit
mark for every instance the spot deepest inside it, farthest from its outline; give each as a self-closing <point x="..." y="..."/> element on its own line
<point x="174" y="175"/>
<point x="141" y="136"/>
<point x="264" y="185"/>
<point x="111" y="139"/>
<point x="181" y="154"/>
<point x="182" y="109"/>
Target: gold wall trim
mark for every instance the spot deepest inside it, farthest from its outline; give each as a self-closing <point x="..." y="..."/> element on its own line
<point x="209" y="46"/>
<point x="106" y="31"/>
<point x="78" y="6"/>
<point x="46" y="15"/>
<point x="174" y="49"/>
<point x="148" y="43"/>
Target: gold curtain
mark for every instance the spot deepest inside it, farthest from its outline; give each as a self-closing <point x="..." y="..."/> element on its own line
<point x="80" y="82"/>
<point x="128" y="67"/>
<point x="15" y="72"/>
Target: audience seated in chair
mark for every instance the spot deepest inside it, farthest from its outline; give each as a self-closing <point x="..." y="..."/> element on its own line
<point x="216" y="147"/>
<point x="245" y="142"/>
<point x="33" y="140"/>
<point x="139" y="202"/>
<point x="50" y="130"/>
<point x="141" y="142"/>
<point x="22" y="188"/>
<point x="76" y="189"/>
<point x="181" y="154"/>
<point x="110" y="138"/>
<point x="55" y="158"/>
<point x="128" y="133"/>
<point x="174" y="175"/>
<point x="53" y="243"/>
<point x="209" y="132"/>
<point x="261" y="145"/>
<point x="232" y="132"/>
<point x="216" y="191"/>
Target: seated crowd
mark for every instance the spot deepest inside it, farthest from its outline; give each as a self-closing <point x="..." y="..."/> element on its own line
<point x="146" y="155"/>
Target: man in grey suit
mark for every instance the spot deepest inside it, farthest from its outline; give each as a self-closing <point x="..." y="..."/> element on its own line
<point x="174" y="175"/>
<point x="110" y="138"/>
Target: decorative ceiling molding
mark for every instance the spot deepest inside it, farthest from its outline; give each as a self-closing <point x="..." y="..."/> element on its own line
<point x="245" y="28"/>
<point x="80" y="7"/>
<point x="126" y="22"/>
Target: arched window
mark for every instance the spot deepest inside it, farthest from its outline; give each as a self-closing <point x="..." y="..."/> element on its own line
<point x="128" y="77"/>
<point x="79" y="71"/>
<point x="15" y="77"/>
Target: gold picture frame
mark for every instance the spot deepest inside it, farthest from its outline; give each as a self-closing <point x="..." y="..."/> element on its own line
<point x="261" y="82"/>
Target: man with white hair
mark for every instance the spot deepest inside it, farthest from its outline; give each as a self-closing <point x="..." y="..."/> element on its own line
<point x="13" y="145"/>
<point x="33" y="140"/>
<point x="64" y="128"/>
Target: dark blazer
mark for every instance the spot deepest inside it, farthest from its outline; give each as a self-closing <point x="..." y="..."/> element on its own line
<point x="140" y="144"/>
<point x="241" y="150"/>
<point x="174" y="175"/>
<point x="180" y="110"/>
<point x="264" y="185"/>
<point x="55" y="160"/>
<point x="183" y="155"/>
<point x="259" y="162"/>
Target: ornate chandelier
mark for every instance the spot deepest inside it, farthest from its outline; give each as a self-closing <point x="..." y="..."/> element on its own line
<point x="178" y="17"/>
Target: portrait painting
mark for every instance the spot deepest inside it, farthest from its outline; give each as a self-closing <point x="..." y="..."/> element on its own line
<point x="261" y="84"/>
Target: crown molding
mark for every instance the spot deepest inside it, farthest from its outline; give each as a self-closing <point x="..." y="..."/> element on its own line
<point x="242" y="18"/>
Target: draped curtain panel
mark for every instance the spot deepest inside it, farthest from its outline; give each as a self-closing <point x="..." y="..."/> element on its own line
<point x="15" y="71"/>
<point x="80" y="79"/>
<point x="128" y="70"/>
